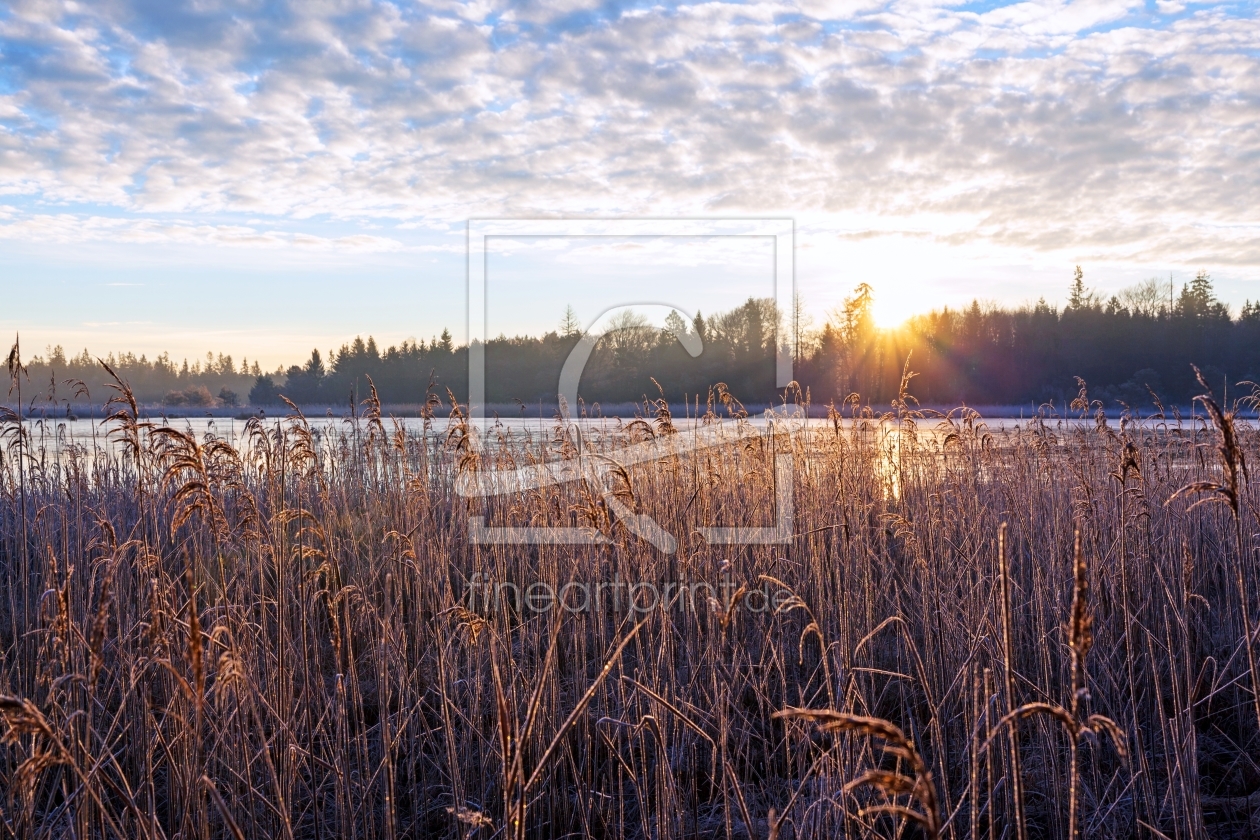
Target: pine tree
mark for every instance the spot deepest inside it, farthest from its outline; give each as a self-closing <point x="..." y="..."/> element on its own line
<point x="315" y="366"/>
<point x="853" y="331"/>
<point x="1198" y="299"/>
<point x="570" y="326"/>
<point x="856" y="322"/>
<point x="1079" y="297"/>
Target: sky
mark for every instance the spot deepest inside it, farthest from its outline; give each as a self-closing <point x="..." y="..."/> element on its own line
<point x="262" y="178"/>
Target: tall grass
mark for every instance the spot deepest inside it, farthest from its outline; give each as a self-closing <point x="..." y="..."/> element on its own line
<point x="1030" y="632"/>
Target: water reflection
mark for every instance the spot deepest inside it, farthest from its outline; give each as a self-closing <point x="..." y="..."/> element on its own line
<point x="896" y="443"/>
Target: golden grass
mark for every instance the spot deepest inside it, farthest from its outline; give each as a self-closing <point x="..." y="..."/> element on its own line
<point x="199" y="640"/>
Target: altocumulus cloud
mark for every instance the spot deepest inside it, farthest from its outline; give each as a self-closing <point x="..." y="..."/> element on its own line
<point x="1131" y="127"/>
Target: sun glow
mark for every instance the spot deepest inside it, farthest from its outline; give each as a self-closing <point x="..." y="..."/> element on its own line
<point x="891" y="310"/>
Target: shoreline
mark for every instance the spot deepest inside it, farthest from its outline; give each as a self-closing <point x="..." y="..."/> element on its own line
<point x="512" y="411"/>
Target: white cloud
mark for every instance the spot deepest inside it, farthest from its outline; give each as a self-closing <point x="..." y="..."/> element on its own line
<point x="71" y="228"/>
<point x="1057" y="17"/>
<point x="1038" y="126"/>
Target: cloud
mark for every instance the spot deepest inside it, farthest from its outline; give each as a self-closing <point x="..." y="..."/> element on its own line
<point x="72" y="228"/>
<point x="1041" y="125"/>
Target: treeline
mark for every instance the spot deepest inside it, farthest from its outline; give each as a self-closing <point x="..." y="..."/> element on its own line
<point x="53" y="380"/>
<point x="738" y="350"/>
<point x="1132" y="347"/>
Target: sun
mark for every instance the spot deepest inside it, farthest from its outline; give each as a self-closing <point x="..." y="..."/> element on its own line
<point x="890" y="311"/>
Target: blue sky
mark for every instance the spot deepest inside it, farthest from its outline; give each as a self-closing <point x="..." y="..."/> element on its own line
<point x="260" y="178"/>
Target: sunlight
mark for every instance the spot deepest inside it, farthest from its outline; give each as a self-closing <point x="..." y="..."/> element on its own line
<point x="891" y="311"/>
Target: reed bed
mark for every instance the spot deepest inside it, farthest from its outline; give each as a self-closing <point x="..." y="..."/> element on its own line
<point x="1036" y="631"/>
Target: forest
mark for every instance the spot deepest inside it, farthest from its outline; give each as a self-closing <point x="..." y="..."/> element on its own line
<point x="1130" y="349"/>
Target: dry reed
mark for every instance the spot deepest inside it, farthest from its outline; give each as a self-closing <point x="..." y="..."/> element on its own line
<point x="274" y="635"/>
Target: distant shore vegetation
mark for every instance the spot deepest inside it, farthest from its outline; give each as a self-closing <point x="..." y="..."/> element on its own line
<point x="1134" y="349"/>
